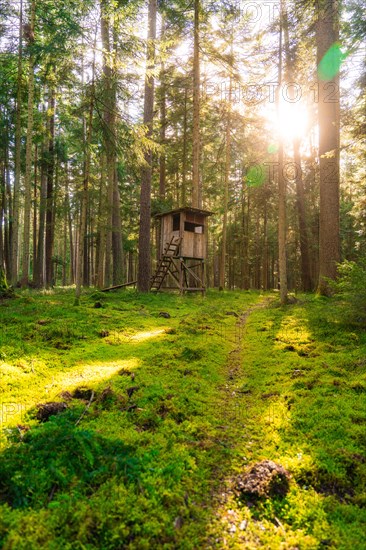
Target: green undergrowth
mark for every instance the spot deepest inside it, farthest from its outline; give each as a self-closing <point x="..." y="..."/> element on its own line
<point x="158" y="423"/>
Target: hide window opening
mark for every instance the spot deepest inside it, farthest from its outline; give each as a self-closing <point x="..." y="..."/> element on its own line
<point x="193" y="227"/>
<point x="176" y="222"/>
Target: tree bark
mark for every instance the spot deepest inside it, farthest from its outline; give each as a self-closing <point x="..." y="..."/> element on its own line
<point x="282" y="244"/>
<point x="303" y="227"/>
<point x="8" y="229"/>
<point x="29" y="153"/>
<point x="196" y="183"/>
<point x="17" y="164"/>
<point x="35" y="193"/>
<point x="38" y="275"/>
<point x="265" y="259"/>
<point x="144" y="267"/>
<point x="85" y="190"/>
<point x="100" y="254"/>
<point x="108" y="131"/>
<point x="185" y="147"/>
<point x="64" y="252"/>
<point x="117" y="245"/>
<point x="2" y="215"/>
<point x="226" y="189"/>
<point x="327" y="34"/>
<point x="163" y="122"/>
<point x="244" y="274"/>
<point x="50" y="217"/>
<point x="113" y="264"/>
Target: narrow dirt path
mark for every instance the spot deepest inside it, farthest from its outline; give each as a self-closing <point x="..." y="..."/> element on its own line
<point x="234" y="366"/>
<point x="235" y="411"/>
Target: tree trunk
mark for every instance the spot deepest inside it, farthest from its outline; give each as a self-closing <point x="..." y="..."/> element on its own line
<point x="196" y="190"/>
<point x="100" y="254"/>
<point x="245" y="279"/>
<point x="85" y="190"/>
<point x="117" y="245"/>
<point x="108" y="230"/>
<point x="282" y="244"/>
<point x="226" y="189"/>
<point x="80" y="267"/>
<point x="71" y="237"/>
<point x="265" y="259"/>
<point x="303" y="228"/>
<point x="2" y="216"/>
<point x="144" y="268"/>
<point x="8" y="230"/>
<point x="38" y="275"/>
<point x="163" y="125"/>
<point x="50" y="218"/>
<point x="113" y="264"/>
<point x="108" y="131"/>
<point x="163" y="122"/>
<point x="327" y="34"/>
<point x="64" y="252"/>
<point x="29" y="153"/>
<point x="185" y="139"/>
<point x="17" y="164"/>
<point x="35" y="193"/>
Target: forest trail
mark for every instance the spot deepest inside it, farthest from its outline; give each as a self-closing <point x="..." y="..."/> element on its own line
<point x="235" y="358"/>
<point x="236" y="411"/>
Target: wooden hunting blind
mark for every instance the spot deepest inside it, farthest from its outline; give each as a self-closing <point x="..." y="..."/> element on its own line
<point x="182" y="250"/>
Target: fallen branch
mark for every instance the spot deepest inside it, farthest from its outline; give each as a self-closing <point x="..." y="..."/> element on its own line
<point x="86" y="408"/>
<point x="131" y="283"/>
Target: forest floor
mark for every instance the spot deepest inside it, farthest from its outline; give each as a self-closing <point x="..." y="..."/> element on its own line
<point x="168" y="402"/>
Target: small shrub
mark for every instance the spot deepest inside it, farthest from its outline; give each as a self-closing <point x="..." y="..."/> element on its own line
<point x="351" y="285"/>
<point x="5" y="290"/>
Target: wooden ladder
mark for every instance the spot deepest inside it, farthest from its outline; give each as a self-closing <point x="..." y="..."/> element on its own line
<point x="170" y="251"/>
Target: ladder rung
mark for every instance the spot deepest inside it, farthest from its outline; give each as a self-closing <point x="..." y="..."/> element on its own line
<point x="170" y="251"/>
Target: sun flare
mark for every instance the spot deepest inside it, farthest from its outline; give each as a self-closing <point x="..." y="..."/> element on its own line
<point x="292" y="121"/>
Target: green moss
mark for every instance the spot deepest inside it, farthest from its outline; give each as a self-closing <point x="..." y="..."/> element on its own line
<point x="180" y="407"/>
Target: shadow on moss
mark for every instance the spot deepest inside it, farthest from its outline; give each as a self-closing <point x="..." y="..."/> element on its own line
<point x="58" y="457"/>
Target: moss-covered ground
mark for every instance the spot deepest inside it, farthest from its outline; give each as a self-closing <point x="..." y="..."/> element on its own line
<point x="164" y="412"/>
